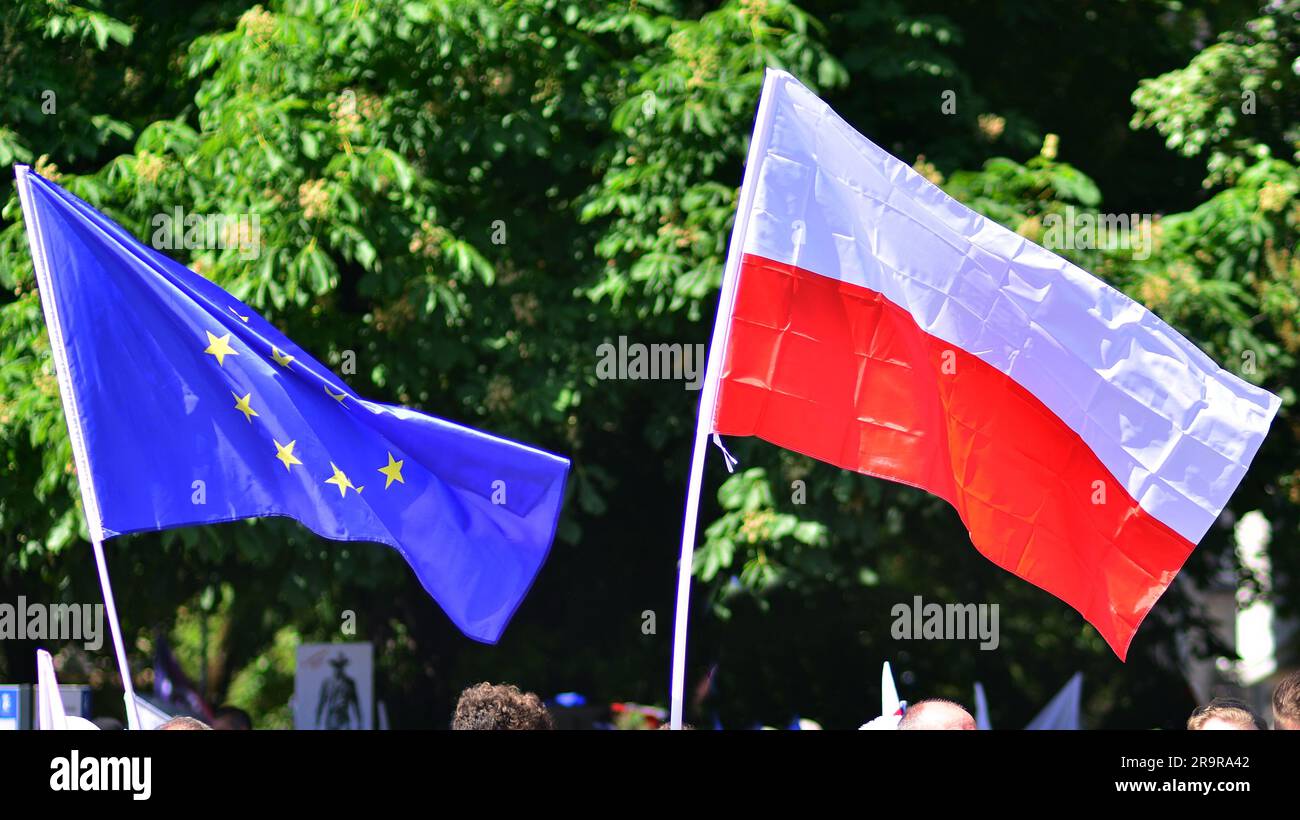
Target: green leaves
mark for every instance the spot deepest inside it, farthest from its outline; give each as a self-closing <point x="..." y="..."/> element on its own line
<point x="752" y="530"/>
<point x="680" y="134"/>
<point x="472" y="196"/>
<point x="70" y="21"/>
<point x="1236" y="99"/>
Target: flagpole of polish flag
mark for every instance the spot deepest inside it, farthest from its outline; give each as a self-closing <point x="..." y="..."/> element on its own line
<point x="80" y="454"/>
<point x="709" y="395"/>
<point x="870" y="321"/>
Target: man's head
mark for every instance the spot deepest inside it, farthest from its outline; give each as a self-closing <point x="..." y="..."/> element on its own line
<point x="936" y="714"/>
<point x="1225" y="714"/>
<point x="231" y="718"/>
<point x="1286" y="703"/>
<point x="500" y="706"/>
<point x="183" y="723"/>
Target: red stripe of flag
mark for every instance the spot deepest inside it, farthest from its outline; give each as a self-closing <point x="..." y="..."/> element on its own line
<point x="841" y="374"/>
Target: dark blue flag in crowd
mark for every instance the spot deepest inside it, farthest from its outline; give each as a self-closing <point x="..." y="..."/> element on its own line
<point x="195" y="410"/>
<point x="173" y="686"/>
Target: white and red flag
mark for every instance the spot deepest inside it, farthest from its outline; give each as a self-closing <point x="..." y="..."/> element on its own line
<point x="869" y="320"/>
<point x="891" y="708"/>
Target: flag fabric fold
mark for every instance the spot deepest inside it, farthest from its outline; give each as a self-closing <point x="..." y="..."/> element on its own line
<point x="195" y="410"/>
<point x="879" y="325"/>
<point x="1063" y="712"/>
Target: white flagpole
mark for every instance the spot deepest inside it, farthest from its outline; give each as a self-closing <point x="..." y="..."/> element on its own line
<point x="709" y="395"/>
<point x="80" y="456"/>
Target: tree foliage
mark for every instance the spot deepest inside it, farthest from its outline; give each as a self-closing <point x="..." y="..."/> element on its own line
<point x="468" y="197"/>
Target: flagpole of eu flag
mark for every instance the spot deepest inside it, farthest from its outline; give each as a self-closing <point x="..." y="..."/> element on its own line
<point x="173" y="382"/>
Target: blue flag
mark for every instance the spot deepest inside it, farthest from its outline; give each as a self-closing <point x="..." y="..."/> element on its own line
<point x="195" y="410"/>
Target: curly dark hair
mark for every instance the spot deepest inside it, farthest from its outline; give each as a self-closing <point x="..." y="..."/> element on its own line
<point x="500" y="706"/>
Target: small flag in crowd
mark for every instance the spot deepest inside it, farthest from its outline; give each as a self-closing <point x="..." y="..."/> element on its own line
<point x="50" y="714"/>
<point x="195" y="410"/>
<point x="173" y="686"/>
<point x="50" y="711"/>
<point x="982" y="720"/>
<point x="891" y="708"/>
<point x="890" y="705"/>
<point x="879" y="325"/>
<point x="1063" y="711"/>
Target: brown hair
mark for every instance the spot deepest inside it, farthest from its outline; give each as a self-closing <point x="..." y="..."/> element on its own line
<point x="500" y="706"/>
<point x="1286" y="702"/>
<point x="1227" y="710"/>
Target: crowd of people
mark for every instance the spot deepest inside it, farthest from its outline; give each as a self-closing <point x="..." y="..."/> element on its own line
<point x="490" y="706"/>
<point x="1225" y="713"/>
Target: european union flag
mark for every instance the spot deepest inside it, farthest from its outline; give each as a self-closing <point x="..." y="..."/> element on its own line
<point x="195" y="410"/>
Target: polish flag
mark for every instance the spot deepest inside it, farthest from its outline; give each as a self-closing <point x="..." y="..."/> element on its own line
<point x="871" y="321"/>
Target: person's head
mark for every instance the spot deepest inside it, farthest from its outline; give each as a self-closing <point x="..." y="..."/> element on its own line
<point x="230" y="718"/>
<point x="340" y="663"/>
<point x="500" y="706"/>
<point x="183" y="723"/>
<point x="936" y="714"/>
<point x="1286" y="703"/>
<point x="1225" y="714"/>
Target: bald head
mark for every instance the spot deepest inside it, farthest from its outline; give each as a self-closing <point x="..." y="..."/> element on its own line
<point x="937" y="714"/>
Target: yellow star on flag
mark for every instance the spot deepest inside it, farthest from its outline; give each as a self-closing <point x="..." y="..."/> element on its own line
<point x="339" y="397"/>
<point x="282" y="359"/>
<point x="243" y="406"/>
<point x="393" y="472"/>
<point x="341" y="481"/>
<point x="220" y="347"/>
<point x="285" y="454"/>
